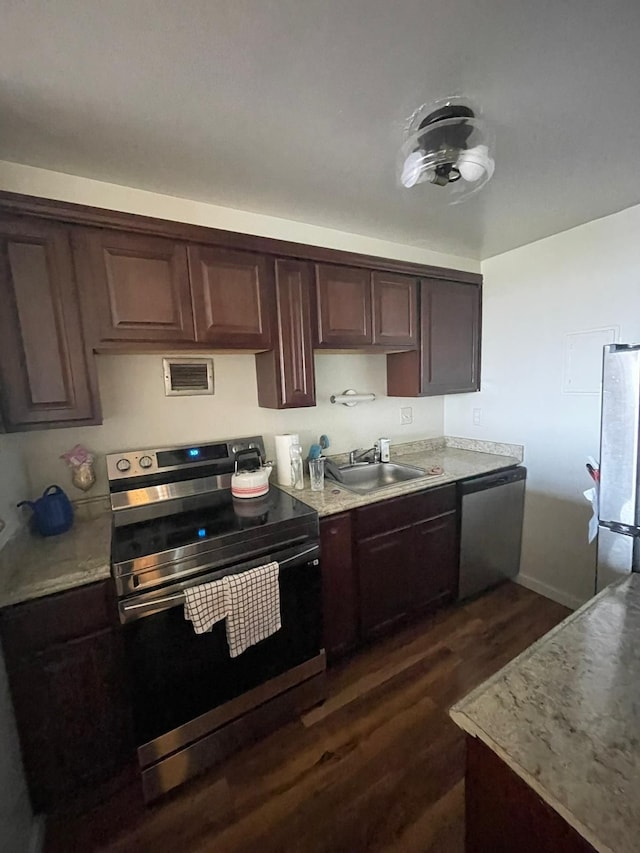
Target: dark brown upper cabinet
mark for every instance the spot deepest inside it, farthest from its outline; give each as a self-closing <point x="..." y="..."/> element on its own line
<point x="47" y="376"/>
<point x="395" y="310"/>
<point x="285" y="374"/>
<point x="138" y="286"/>
<point x="361" y="309"/>
<point x="232" y="297"/>
<point x="448" y="358"/>
<point x="343" y="302"/>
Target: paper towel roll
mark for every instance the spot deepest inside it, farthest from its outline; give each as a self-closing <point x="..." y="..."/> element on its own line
<point x="283" y="457"/>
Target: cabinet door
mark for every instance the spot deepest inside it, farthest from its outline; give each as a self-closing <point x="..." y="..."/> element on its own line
<point x="343" y="299"/>
<point x="138" y="286"/>
<point x="285" y="374"/>
<point x="47" y="373"/>
<point x="395" y="310"/>
<point x="448" y="358"/>
<point x="68" y="690"/>
<point x="339" y="585"/>
<point x="435" y="561"/>
<point x="385" y="573"/>
<point x="451" y="337"/>
<point x="232" y="297"/>
<point x="72" y="717"/>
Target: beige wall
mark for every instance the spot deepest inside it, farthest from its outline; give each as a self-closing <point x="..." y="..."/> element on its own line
<point x="13" y="483"/>
<point x="15" y="810"/>
<point x="137" y="414"/>
<point x="16" y="819"/>
<point x="15" y="177"/>
<point x="582" y="280"/>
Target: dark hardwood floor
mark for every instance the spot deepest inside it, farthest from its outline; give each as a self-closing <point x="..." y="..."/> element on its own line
<point x="379" y="766"/>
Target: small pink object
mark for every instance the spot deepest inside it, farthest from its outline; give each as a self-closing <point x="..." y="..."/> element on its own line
<point x="78" y="455"/>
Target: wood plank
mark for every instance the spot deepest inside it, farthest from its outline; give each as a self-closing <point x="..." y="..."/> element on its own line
<point x="379" y="767"/>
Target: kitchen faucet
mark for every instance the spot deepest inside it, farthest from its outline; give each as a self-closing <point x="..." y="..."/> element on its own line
<point x="358" y="453"/>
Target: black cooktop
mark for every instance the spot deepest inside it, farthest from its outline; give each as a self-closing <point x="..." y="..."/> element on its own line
<point x="204" y="519"/>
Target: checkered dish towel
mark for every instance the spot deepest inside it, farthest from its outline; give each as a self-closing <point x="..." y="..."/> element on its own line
<point x="250" y="602"/>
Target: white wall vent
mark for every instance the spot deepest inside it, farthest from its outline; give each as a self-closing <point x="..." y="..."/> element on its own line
<point x="187" y="376"/>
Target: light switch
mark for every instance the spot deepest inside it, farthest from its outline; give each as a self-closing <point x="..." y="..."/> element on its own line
<point x="406" y="415"/>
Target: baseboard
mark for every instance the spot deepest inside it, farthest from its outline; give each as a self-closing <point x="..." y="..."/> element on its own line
<point x="549" y="591"/>
<point x="36" y="842"/>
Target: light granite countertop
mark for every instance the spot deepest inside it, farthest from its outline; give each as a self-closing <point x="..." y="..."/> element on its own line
<point x="32" y="566"/>
<point x="460" y="458"/>
<point x="565" y="716"/>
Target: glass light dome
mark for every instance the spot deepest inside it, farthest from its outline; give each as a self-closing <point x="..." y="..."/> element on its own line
<point x="448" y="145"/>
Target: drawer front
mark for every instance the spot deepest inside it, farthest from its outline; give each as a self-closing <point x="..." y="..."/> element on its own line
<point x="435" y="502"/>
<point x="400" y="512"/>
<point x="34" y="626"/>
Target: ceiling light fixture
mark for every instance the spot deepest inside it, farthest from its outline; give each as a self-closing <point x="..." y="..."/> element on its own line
<point x="447" y="144"/>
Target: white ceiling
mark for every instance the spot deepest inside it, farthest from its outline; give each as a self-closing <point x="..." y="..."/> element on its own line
<point x="295" y="108"/>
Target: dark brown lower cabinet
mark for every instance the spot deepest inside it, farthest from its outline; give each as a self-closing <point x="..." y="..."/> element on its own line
<point x="339" y="586"/>
<point x="66" y="672"/>
<point x="407" y="555"/>
<point x="386" y="562"/>
<point x="386" y="574"/>
<point x="436" y="554"/>
<point x="504" y="814"/>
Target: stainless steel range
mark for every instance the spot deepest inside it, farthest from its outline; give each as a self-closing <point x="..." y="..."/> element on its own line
<point x="176" y="525"/>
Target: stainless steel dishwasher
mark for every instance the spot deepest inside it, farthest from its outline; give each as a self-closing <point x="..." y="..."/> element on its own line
<point x="491" y="529"/>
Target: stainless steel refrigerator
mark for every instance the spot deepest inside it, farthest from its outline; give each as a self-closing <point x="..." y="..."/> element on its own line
<point x="619" y="508"/>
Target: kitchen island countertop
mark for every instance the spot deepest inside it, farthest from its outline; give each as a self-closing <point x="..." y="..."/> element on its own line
<point x="460" y="459"/>
<point x="565" y="717"/>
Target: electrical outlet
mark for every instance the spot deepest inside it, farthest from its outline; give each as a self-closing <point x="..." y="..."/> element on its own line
<point x="406" y="415"/>
<point x="477" y="417"/>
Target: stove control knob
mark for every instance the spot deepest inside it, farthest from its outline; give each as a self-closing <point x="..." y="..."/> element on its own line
<point x="123" y="465"/>
<point x="146" y="462"/>
<point x="235" y="448"/>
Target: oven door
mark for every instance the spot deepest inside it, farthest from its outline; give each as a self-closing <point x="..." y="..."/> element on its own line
<point x="177" y="675"/>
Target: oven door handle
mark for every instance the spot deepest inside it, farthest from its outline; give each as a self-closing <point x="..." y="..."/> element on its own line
<point x="141" y="605"/>
<point x="135" y="609"/>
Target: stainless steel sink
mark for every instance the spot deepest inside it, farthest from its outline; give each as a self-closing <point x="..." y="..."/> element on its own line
<point x="365" y="477"/>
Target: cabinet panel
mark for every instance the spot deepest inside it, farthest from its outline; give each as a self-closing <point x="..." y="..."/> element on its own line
<point x="518" y="818"/>
<point x="435" y="578"/>
<point x="339" y="585"/>
<point x="32" y="627"/>
<point x="384" y="570"/>
<point x="72" y="718"/>
<point x="139" y="285"/>
<point x="343" y="297"/>
<point x="448" y="359"/>
<point x="48" y="376"/>
<point x="71" y="707"/>
<point x="286" y="374"/>
<point x="395" y="310"/>
<point x="232" y="297"/>
<point x="451" y="335"/>
<point x="400" y="512"/>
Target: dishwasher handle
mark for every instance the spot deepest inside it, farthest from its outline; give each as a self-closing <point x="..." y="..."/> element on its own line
<point x="492" y="481"/>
